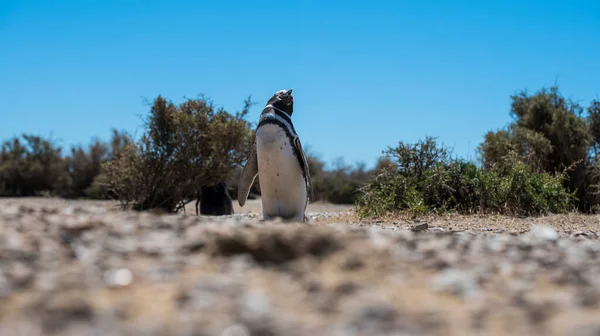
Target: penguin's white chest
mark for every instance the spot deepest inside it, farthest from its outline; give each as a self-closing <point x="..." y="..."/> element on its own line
<point x="282" y="184"/>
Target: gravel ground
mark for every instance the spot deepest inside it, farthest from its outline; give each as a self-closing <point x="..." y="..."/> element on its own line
<point x="84" y="268"/>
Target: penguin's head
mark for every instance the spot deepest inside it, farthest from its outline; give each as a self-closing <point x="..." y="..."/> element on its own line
<point x="283" y="100"/>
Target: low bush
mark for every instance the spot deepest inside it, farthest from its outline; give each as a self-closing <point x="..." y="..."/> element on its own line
<point x="184" y="148"/>
<point x="424" y="178"/>
<point x="339" y="185"/>
<point x="30" y="166"/>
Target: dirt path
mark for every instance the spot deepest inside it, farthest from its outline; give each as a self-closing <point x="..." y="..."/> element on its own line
<point x="82" y="268"/>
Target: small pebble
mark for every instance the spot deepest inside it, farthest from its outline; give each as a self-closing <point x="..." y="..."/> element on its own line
<point x="420" y="227"/>
<point x="543" y="233"/>
<point x="456" y="282"/>
<point x="118" y="277"/>
<point x="236" y="330"/>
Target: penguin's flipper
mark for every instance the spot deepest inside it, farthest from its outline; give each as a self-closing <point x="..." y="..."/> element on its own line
<point x="306" y="170"/>
<point x="247" y="177"/>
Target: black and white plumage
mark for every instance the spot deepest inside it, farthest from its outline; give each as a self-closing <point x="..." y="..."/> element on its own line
<point x="278" y="159"/>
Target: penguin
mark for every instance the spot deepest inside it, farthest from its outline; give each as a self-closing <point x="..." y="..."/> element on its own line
<point x="277" y="157"/>
<point x="214" y="200"/>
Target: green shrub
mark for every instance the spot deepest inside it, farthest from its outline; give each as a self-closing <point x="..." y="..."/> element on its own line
<point x="549" y="132"/>
<point x="425" y="179"/>
<point x="513" y="187"/>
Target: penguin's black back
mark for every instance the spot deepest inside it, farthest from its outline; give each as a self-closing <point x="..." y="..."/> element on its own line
<point x="215" y="200"/>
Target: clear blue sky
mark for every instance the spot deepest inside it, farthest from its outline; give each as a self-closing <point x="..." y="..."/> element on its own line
<point x="365" y="74"/>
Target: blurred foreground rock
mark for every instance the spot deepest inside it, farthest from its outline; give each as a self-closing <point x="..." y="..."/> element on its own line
<point x="89" y="270"/>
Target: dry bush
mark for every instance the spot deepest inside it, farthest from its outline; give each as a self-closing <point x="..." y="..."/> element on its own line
<point x="184" y="148"/>
<point x="82" y="167"/>
<point x="30" y="166"/>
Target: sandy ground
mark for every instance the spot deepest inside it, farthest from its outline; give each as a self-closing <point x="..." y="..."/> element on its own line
<point x="253" y="206"/>
<point x="85" y="268"/>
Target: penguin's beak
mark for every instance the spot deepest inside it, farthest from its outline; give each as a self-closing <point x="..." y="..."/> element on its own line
<point x="289" y="91"/>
